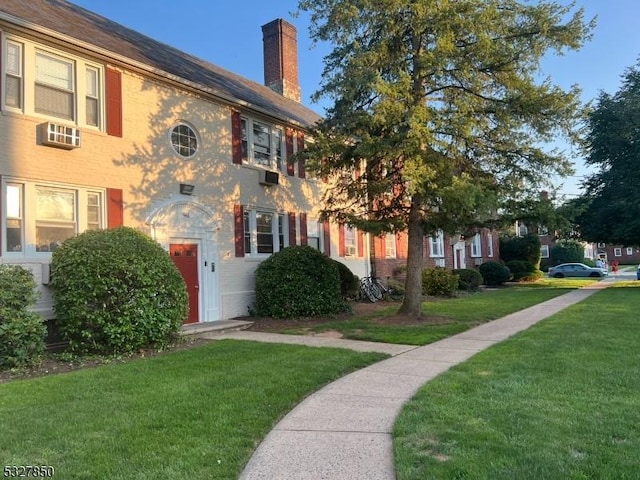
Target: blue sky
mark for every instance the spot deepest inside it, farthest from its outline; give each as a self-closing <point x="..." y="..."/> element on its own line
<point x="228" y="34"/>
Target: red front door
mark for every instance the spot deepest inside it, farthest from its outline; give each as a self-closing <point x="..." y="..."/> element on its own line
<point x="185" y="257"/>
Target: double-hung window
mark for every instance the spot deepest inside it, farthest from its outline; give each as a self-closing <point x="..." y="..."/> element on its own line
<point x="313" y="234"/>
<point x="390" y="245"/>
<point x="350" y="248"/>
<point x="56" y="217"/>
<point x="14" y="217"/>
<point x="264" y="232"/>
<point x="39" y="81"/>
<point x="437" y="244"/>
<point x="37" y="218"/>
<point x="13" y="75"/>
<point x="544" y="251"/>
<point x="54" y="93"/>
<point x="262" y="144"/>
<point x="476" y="247"/>
<point x="92" y="96"/>
<point x="489" y="245"/>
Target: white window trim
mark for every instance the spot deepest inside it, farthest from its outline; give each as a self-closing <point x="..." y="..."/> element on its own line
<point x="350" y="249"/>
<point x="27" y="83"/>
<point x="29" y="200"/>
<point x="629" y="250"/>
<point x="544" y="251"/>
<point x="273" y="159"/>
<point x="617" y="252"/>
<point x="252" y="212"/>
<point x="489" y="245"/>
<point x="390" y="246"/>
<point x="438" y="241"/>
<point x="319" y="231"/>
<point x="476" y="246"/>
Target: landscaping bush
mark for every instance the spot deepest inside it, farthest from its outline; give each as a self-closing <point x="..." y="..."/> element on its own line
<point x="524" y="271"/>
<point x="439" y="282"/>
<point x="494" y="273"/>
<point x="116" y="291"/>
<point x="22" y="333"/>
<point x="349" y="282"/>
<point x="17" y="287"/>
<point x="525" y="248"/>
<point x="298" y="281"/>
<point x="566" y="251"/>
<point x="468" y="279"/>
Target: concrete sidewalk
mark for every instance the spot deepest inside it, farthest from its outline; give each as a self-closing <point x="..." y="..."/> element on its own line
<point x="343" y="431"/>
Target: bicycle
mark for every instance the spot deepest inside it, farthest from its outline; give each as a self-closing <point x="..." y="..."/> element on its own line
<point x="372" y="288"/>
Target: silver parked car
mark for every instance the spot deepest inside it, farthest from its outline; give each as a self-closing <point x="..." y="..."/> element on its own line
<point x="576" y="270"/>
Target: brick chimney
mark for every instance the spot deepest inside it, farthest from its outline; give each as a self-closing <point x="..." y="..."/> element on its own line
<point x="280" y="43"/>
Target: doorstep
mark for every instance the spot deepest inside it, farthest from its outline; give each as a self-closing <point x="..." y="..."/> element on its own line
<point x="220" y="326"/>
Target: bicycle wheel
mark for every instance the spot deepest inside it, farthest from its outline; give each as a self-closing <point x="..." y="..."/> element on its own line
<point x="376" y="290"/>
<point x="367" y="291"/>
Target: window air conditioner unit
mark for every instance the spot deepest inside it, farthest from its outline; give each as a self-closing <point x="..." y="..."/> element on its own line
<point x="60" y="136"/>
<point x="268" y="177"/>
<point x="478" y="261"/>
<point x="350" y="251"/>
<point x="440" y="262"/>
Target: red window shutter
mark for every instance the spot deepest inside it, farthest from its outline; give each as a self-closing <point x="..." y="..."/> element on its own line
<point x="402" y="245"/>
<point x="292" y="228"/>
<point x="238" y="229"/>
<point x="113" y="80"/>
<point x="236" y="140"/>
<point x="301" y="172"/>
<point x="303" y="229"/>
<point x="341" y="240"/>
<point x="360" y="244"/>
<point x="115" y="208"/>
<point x="380" y="247"/>
<point x="289" y="147"/>
<point x="327" y="238"/>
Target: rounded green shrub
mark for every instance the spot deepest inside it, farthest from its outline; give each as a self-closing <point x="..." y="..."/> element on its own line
<point x="116" y="291"/>
<point x="439" y="282"/>
<point x="349" y="282"/>
<point x="468" y="279"/>
<point x="566" y="251"/>
<point x="494" y="273"/>
<point x="22" y="332"/>
<point x="523" y="271"/>
<point x="298" y="281"/>
<point x="17" y="287"/>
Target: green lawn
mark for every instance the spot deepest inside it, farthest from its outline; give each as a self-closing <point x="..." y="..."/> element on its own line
<point x="452" y="315"/>
<point x="196" y="413"/>
<point x="559" y="401"/>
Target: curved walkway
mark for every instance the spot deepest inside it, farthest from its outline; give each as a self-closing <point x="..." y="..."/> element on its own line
<point x="344" y="430"/>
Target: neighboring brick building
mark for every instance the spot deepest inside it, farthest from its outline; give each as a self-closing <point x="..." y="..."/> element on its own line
<point x="389" y="252"/>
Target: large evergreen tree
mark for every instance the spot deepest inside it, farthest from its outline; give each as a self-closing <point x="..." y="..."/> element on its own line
<point x="611" y="207"/>
<point x="437" y="108"/>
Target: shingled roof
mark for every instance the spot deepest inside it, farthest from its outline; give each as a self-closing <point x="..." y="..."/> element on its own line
<point x="81" y="24"/>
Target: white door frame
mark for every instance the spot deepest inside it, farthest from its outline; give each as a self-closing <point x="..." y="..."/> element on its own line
<point x="179" y="220"/>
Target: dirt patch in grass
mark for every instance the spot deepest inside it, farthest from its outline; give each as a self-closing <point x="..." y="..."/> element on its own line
<point x="359" y="309"/>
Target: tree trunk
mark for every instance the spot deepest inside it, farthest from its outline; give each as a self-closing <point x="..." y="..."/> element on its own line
<point x="412" y="304"/>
